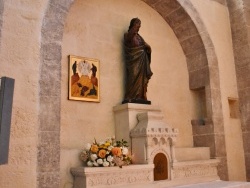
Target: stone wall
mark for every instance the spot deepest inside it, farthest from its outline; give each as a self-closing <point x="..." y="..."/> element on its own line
<point x="239" y="16"/>
<point x="35" y="40"/>
<point x="101" y="37"/>
<point x="218" y="27"/>
<point x="19" y="55"/>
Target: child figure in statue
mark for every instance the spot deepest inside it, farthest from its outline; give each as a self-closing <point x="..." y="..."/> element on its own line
<point x="137" y="59"/>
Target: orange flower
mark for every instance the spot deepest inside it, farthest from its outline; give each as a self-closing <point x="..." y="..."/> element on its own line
<point x="94" y="148"/>
<point x="116" y="151"/>
<point x="102" y="153"/>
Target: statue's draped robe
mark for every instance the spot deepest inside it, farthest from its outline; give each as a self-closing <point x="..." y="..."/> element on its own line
<point x="138" y="71"/>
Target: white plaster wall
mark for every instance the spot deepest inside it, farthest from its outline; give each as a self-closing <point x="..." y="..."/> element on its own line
<point x="95" y="28"/>
<point x="216" y="19"/>
<point x="19" y="59"/>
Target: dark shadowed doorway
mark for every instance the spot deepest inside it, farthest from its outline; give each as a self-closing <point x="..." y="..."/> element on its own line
<point x="161" y="167"/>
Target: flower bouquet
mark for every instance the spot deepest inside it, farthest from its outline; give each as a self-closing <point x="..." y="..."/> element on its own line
<point x="104" y="154"/>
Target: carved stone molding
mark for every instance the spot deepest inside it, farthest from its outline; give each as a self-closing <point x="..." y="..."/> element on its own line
<point x="111" y="176"/>
<point x="195" y="169"/>
<point x="151" y="136"/>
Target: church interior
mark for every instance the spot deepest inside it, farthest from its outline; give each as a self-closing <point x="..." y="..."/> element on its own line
<point x="198" y="93"/>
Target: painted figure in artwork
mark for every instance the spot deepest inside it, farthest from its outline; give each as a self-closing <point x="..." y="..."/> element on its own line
<point x="84" y="82"/>
<point x="137" y="59"/>
<point x="75" y="77"/>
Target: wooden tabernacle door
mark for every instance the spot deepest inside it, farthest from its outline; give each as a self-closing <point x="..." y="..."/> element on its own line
<point x="161" y="167"/>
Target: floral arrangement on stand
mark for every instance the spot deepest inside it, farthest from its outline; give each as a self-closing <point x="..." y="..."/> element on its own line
<point x="107" y="153"/>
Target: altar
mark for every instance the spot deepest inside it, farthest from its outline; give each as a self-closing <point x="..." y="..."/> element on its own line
<point x="155" y="157"/>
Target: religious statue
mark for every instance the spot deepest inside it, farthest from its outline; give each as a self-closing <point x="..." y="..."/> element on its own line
<point x="137" y="60"/>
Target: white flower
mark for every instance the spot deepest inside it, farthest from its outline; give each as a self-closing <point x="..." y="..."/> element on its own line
<point x="101" y="143"/>
<point x="89" y="163"/>
<point x="109" y="139"/>
<point x="84" y="155"/>
<point x="110" y="148"/>
<point x="93" y="157"/>
<point x="124" y="150"/>
<point x="105" y="163"/>
<point x="109" y="158"/>
<point x="88" y="146"/>
<point x="99" y="161"/>
<point x="95" y="163"/>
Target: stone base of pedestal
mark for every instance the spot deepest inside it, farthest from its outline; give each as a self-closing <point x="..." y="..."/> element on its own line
<point x="195" y="169"/>
<point x="133" y="176"/>
<point x="152" y="142"/>
<point x="99" y="177"/>
<point x="126" y="118"/>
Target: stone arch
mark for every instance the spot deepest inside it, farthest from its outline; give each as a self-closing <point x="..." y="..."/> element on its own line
<point x="158" y="157"/>
<point x="162" y="141"/>
<point x="215" y="138"/>
<point x="203" y="71"/>
<point x="239" y="18"/>
<point x="161" y="170"/>
<point x="1" y="16"/>
<point x="155" y="152"/>
<point x="196" y="45"/>
<point x="48" y="157"/>
<point x="155" y="141"/>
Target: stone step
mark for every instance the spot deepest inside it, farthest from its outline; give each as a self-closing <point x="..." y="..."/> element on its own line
<point x="142" y="175"/>
<point x="192" y="153"/>
<point x="208" y="184"/>
<point x="217" y="184"/>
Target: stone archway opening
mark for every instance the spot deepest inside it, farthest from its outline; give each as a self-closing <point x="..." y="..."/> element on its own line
<point x="179" y="20"/>
<point x="161" y="167"/>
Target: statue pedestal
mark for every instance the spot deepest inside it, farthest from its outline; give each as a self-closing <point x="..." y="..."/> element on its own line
<point x="126" y="118"/>
<point x="151" y="140"/>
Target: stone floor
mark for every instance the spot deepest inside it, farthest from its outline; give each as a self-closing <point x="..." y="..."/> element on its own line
<point x="217" y="184"/>
<point x="212" y="184"/>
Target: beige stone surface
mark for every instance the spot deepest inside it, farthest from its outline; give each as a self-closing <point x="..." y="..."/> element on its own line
<point x="86" y="177"/>
<point x="142" y="175"/>
<point x="101" y="37"/>
<point x="190" y="154"/>
<point x="165" y="52"/>
<point x="95" y="28"/>
<point x="215" y="17"/>
<point x="126" y="118"/>
<point x="19" y="56"/>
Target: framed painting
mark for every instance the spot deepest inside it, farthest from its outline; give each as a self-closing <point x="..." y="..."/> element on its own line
<point x="84" y="79"/>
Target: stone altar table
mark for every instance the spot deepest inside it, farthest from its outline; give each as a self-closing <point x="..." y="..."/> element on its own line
<point x="148" y="136"/>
